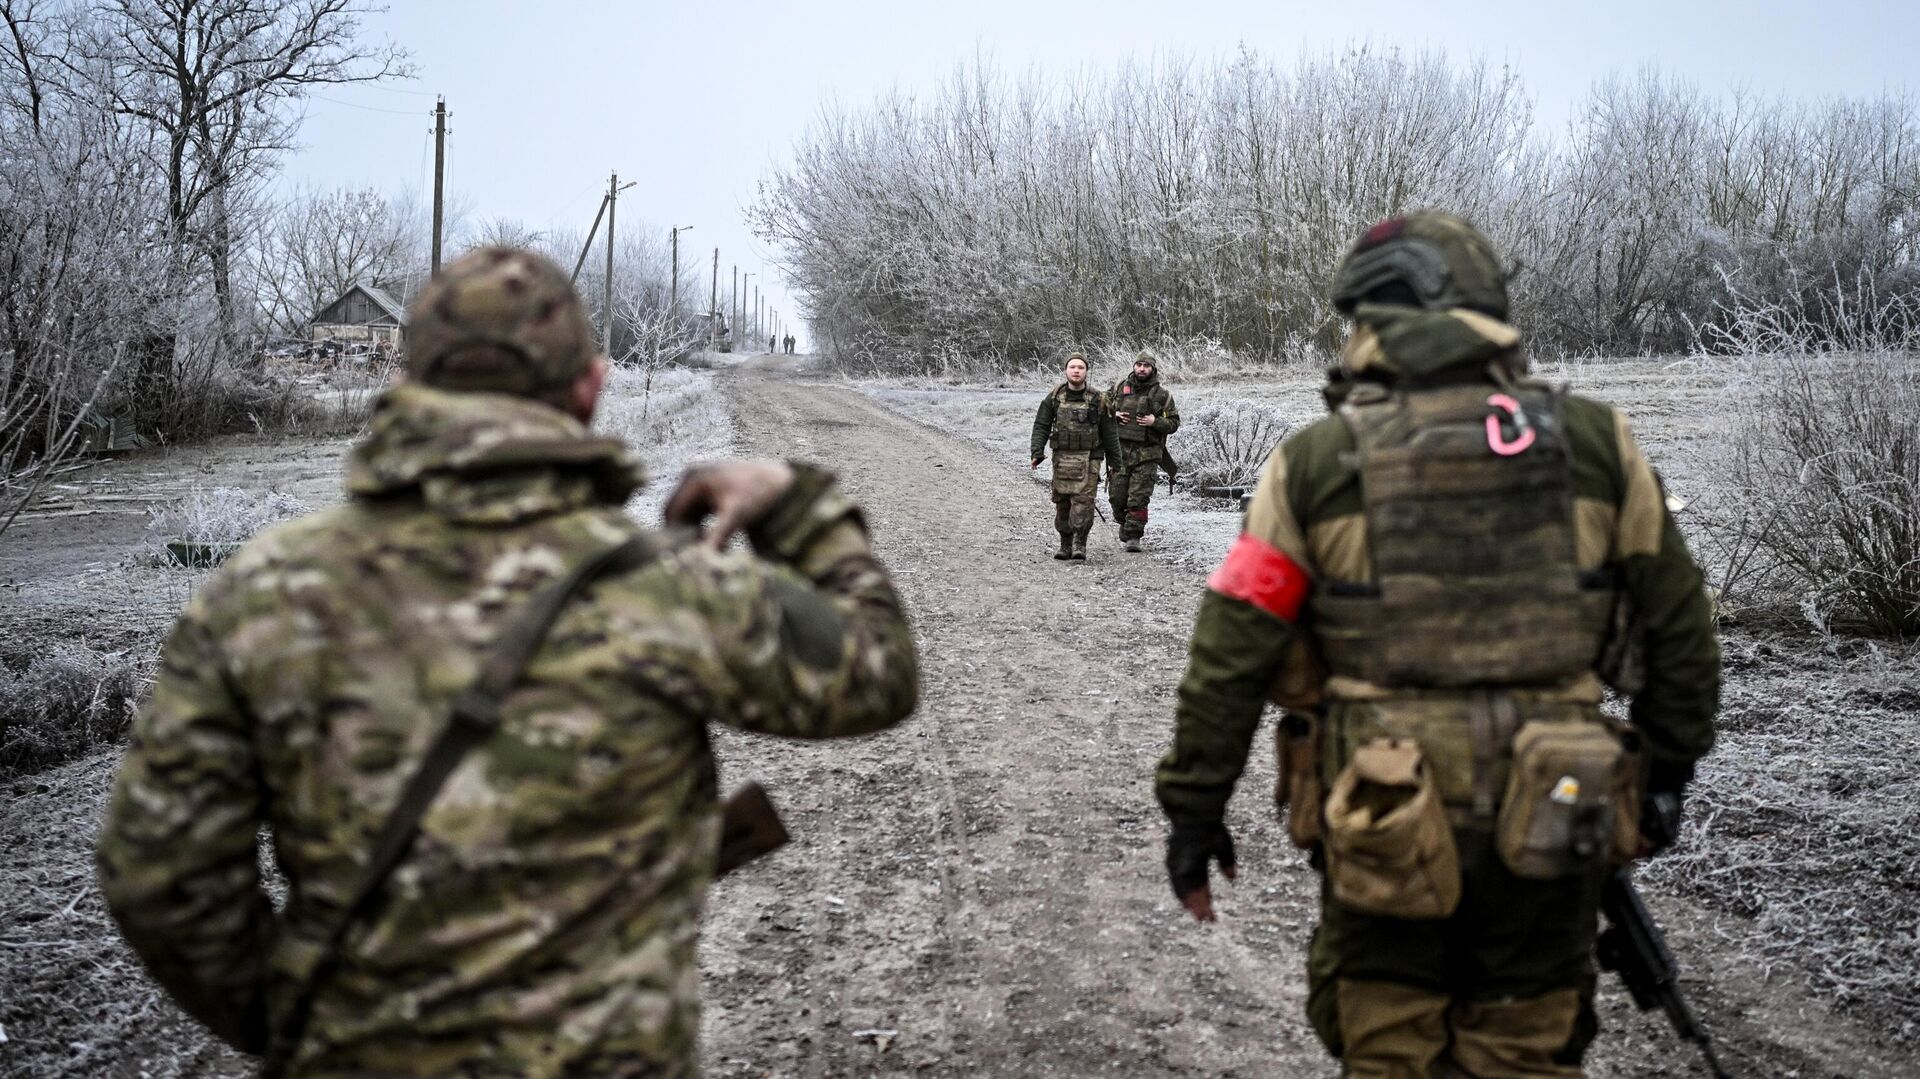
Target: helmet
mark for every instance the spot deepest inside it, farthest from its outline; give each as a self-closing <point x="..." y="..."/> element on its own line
<point x="1437" y="260"/>
<point x="499" y="319"/>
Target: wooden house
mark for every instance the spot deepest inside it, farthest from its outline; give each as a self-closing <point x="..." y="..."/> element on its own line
<point x="362" y="313"/>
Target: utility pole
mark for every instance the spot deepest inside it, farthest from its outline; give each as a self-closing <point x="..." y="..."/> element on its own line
<point x="673" y="290"/>
<point x="746" y="311"/>
<point x="613" y="196"/>
<point x="713" y="304"/>
<point x="439" y="176"/>
<point x="733" y="308"/>
<point x="759" y="323"/>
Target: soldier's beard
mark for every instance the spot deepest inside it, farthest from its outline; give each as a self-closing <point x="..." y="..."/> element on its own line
<point x="1076" y="383"/>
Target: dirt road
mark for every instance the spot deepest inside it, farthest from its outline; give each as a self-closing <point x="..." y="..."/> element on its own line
<point x="983" y="886"/>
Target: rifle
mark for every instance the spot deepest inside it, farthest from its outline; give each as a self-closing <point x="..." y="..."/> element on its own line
<point x="1633" y="947"/>
<point x="749" y="828"/>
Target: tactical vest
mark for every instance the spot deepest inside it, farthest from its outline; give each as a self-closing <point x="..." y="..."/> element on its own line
<point x="1475" y="580"/>
<point x="1152" y="400"/>
<point x="1076" y="423"/>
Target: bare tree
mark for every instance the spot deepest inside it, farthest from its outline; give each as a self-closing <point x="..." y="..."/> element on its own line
<point x="212" y="79"/>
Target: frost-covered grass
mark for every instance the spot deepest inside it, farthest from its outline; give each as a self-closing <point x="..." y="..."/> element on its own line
<point x="677" y="420"/>
<point x="220" y="515"/>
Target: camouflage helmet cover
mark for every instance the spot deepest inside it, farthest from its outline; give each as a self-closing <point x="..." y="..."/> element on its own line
<point x="1442" y="259"/>
<point x="502" y="320"/>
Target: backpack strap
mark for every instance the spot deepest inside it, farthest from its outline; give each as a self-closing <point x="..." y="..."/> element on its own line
<point x="475" y="717"/>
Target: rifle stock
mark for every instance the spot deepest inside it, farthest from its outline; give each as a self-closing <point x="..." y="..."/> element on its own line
<point x="1633" y="947"/>
<point x="750" y="828"/>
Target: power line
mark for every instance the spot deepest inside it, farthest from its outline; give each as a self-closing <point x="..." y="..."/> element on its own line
<point x="369" y="108"/>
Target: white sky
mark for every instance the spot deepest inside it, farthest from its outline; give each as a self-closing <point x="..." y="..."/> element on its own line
<point x="697" y="100"/>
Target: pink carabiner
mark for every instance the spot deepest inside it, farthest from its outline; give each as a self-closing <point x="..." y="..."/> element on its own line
<point x="1497" y="440"/>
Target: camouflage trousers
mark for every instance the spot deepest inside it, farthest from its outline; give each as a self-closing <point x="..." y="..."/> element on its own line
<point x="1503" y="987"/>
<point x="1076" y="479"/>
<point x="1128" y="492"/>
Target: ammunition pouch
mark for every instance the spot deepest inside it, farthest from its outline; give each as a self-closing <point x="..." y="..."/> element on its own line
<point x="1389" y="848"/>
<point x="1570" y="799"/>
<point x="1070" y="471"/>
<point x="1130" y="432"/>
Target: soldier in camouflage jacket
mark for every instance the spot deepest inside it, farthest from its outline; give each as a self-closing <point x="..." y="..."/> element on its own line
<point x="1145" y="415"/>
<point x="544" y="921"/>
<point x="1074" y="421"/>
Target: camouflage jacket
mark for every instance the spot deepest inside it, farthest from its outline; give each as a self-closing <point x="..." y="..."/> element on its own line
<point x="544" y="922"/>
<point x="1046" y="425"/>
<point x="1308" y="507"/>
<point x="1151" y="397"/>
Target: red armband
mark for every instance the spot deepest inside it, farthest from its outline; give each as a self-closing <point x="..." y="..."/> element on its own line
<point x="1259" y="573"/>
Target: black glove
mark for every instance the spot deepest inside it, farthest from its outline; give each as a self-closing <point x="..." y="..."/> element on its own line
<point x="1663" y="804"/>
<point x="1189" y="848"/>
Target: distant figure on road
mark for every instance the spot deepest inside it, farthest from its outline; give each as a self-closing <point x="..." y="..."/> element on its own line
<point x="1074" y="420"/>
<point x="541" y="921"/>
<point x="789" y="344"/>
<point x="770" y="346"/>
<point x="1145" y="415"/>
<point x="1435" y="582"/>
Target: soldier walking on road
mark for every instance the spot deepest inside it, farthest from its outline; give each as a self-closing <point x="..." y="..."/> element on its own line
<point x="1144" y="414"/>
<point x="558" y="829"/>
<point x="1435" y="581"/>
<point x="1075" y="422"/>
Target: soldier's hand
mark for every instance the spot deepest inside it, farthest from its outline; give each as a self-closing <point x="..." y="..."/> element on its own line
<point x="1036" y="463"/>
<point x="736" y="494"/>
<point x="1145" y="420"/>
<point x="1190" y="847"/>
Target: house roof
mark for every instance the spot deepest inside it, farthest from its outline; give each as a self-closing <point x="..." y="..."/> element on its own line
<point x="387" y="303"/>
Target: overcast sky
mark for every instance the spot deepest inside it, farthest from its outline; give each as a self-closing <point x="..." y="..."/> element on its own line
<point x="696" y="101"/>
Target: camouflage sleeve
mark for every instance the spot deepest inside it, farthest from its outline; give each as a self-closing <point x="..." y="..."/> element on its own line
<point x="1240" y="639"/>
<point x="1675" y="710"/>
<point x="176" y="857"/>
<point x="1042" y="428"/>
<point x="828" y="653"/>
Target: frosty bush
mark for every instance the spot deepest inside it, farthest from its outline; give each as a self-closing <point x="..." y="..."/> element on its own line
<point x="1226" y="443"/>
<point x="221" y="515"/>
<point x="1824" y="512"/>
<point x="66" y="702"/>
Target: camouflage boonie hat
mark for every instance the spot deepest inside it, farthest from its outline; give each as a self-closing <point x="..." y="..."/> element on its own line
<point x="501" y="320"/>
<point x="1445" y="261"/>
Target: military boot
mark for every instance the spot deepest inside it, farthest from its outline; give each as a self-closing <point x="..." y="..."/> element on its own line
<point x="1133" y="546"/>
<point x="1080" y="543"/>
<point x="1066" y="547"/>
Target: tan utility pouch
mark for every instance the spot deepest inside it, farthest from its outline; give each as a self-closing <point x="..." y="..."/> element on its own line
<point x="1389" y="848"/>
<point x="1560" y="812"/>
<point x="1298" y="793"/>
<point x="1070" y="470"/>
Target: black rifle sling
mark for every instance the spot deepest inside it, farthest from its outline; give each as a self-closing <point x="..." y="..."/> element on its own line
<point x="475" y="716"/>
